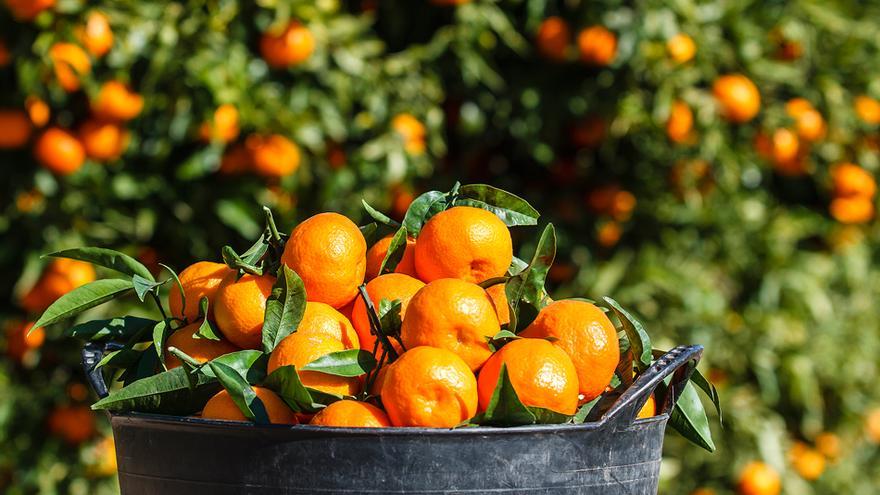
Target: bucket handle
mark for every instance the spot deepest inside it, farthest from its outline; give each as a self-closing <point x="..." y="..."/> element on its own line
<point x="679" y="362"/>
<point x="92" y="354"/>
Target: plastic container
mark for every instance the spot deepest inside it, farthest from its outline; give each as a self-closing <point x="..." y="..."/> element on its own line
<point x="615" y="455"/>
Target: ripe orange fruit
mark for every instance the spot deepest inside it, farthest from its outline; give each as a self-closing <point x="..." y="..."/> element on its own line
<point x="542" y="374"/>
<point x="785" y="146"/>
<point x="273" y="156"/>
<point x="116" y="102"/>
<point x="59" y="151"/>
<point x="391" y="286"/>
<point x="872" y="425"/>
<point x="681" y="48"/>
<point x="103" y="463"/>
<point x="70" y="63"/>
<point x="828" y="444"/>
<point x="589" y="133"/>
<point x="597" y="45"/>
<point x="738" y="97"/>
<point x="429" y="387"/>
<point x="608" y="234"/>
<point x="808" y="462"/>
<point x="553" y="38"/>
<point x="811" y="125"/>
<point x="680" y="122"/>
<point x="236" y="159"/>
<point x="376" y="254"/>
<point x="454" y="315"/>
<point x="649" y="410"/>
<point x="499" y="300"/>
<point x="412" y="131"/>
<point x="102" y="140"/>
<point x="351" y="414"/>
<point x="583" y="331"/>
<point x="463" y="242"/>
<point x="201" y="279"/>
<point x="850" y="179"/>
<point x="27" y="10"/>
<point x="328" y="252"/>
<point x="19" y="342"/>
<point x="300" y="349"/>
<point x="322" y="319"/>
<point x="202" y="350"/>
<point x="758" y="478"/>
<point x="852" y="209"/>
<point x="223" y="126"/>
<point x="868" y="109"/>
<point x="222" y="407"/>
<point x="239" y="307"/>
<point x="96" y="35"/>
<point x="38" y="111"/>
<point x="15" y="129"/>
<point x="291" y="46"/>
<point x="74" y="424"/>
<point x="796" y="107"/>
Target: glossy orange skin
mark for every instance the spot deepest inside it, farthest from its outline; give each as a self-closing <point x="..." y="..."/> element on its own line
<point x="15" y="129"/>
<point x="223" y="126"/>
<point x="499" y="300"/>
<point x="59" y="151"/>
<point x="116" y="102"/>
<point x="868" y="109"/>
<point x="391" y="286"/>
<point x="597" y="46"/>
<point x="553" y="38"/>
<point x="582" y="330"/>
<point x="758" y="478"/>
<point x="96" y="35"/>
<point x="649" y="410"/>
<point x="850" y="179"/>
<point x="376" y="254"/>
<point x="738" y="97"/>
<point x="300" y="349"/>
<point x="201" y="279"/>
<point x="429" y="387"/>
<point x="463" y="242"/>
<point x="852" y="209"/>
<point x="328" y="252"/>
<point x="222" y="407"/>
<point x="27" y="10"/>
<point x="351" y="414"/>
<point x="70" y="63"/>
<point x="202" y="350"/>
<point x="38" y="111"/>
<point x="680" y="122"/>
<point x="273" y="156"/>
<point x="542" y="374"/>
<point x="681" y="48"/>
<point x="454" y="315"/>
<point x="322" y="319"/>
<point x="292" y="46"/>
<point x="74" y="424"/>
<point x="239" y="307"/>
<point x="103" y="141"/>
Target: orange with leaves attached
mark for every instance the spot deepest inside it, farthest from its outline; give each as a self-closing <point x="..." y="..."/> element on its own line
<point x="391" y="286"/>
<point x="351" y="414"/>
<point x="200" y="349"/>
<point x="239" y="308"/>
<point x="738" y="97"/>
<point x="221" y="406"/>
<point x="377" y="252"/>
<point x="201" y="279"/>
<point x="291" y="46"/>
<point x="300" y="349"/>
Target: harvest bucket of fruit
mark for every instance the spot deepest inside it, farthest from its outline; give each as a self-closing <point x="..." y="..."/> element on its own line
<point x="417" y="356"/>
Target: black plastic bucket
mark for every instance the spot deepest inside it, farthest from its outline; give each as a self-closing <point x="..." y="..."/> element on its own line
<point x="615" y="455"/>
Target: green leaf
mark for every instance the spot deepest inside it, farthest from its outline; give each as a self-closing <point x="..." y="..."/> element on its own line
<point x="379" y="216"/>
<point x="505" y="408"/>
<point x="549" y="417"/>
<point x="389" y="317"/>
<point x="501" y="339"/>
<point x="689" y="418"/>
<point x="419" y="211"/>
<point x="639" y="341"/>
<point x="121" y="358"/>
<point x="700" y="381"/>
<point x="178" y="284"/>
<point x="161" y="331"/>
<point x="255" y="253"/>
<point x="516" y="266"/>
<point x="121" y="328"/>
<point x="510" y="208"/>
<point x="525" y="291"/>
<point x="142" y="286"/>
<point x="82" y="298"/>
<point x="284" y="308"/>
<point x="241" y="393"/>
<point x="584" y="411"/>
<point x="395" y="252"/>
<point x="107" y="258"/>
<point x="351" y="362"/>
<point x="206" y="329"/>
<point x="234" y="261"/>
<point x="489" y="282"/>
<point x="285" y="382"/>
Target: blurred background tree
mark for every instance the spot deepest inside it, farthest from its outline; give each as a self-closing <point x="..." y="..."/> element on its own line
<point x="708" y="163"/>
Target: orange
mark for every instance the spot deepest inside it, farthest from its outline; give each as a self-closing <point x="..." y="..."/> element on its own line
<point x="590" y="132"/>
<point x="239" y="307"/>
<point x="103" y="141"/>
<point x="222" y="407"/>
<point x="785" y="146"/>
<point x="597" y="45"/>
<point x="70" y="63"/>
<point x="236" y="159"/>
<point x="649" y="410"/>
<point x="811" y="125"/>
<point x="872" y="425"/>
<point x="738" y="97"/>
<point x="553" y="38"/>
<point x="681" y="48"/>
<point x="38" y="111"/>
<point x="201" y="279"/>
<point x="796" y="107"/>
<point x="680" y="122"/>
<point x="609" y="234"/>
<point x="758" y="478"/>
<point x="15" y="129"/>
<point x="411" y="130"/>
<point x="5" y="55"/>
<point x="542" y="374"/>
<point x="291" y="46"/>
<point x="223" y="126"/>
<point x="583" y="331"/>
<point x="429" y="387"/>
<point x="103" y="463"/>
<point x="273" y="156"/>
<point x="27" y="10"/>
<point x="322" y="319"/>
<point x="96" y="35"/>
<point x="852" y="209"/>
<point x="202" y="350"/>
<point x="391" y="286"/>
<point x="300" y="349"/>
<point x="74" y="424"/>
<point x="499" y="300"/>
<point x="868" y="109"/>
<point x="328" y="252"/>
<point x="454" y="315"/>
<point x="852" y="180"/>
<point x="351" y="414"/>
<point x="59" y="151"/>
<point x="808" y="462"/>
<point x="613" y="201"/>
<point x="19" y="342"/>
<point x="828" y="444"/>
<point x="116" y="102"/>
<point x="463" y="242"/>
<point x="376" y="254"/>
